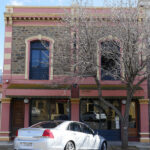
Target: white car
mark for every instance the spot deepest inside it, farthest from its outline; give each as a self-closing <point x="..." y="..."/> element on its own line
<point x="59" y="135"/>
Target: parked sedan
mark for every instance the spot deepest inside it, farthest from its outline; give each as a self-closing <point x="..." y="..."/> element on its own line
<point x="58" y="135"/>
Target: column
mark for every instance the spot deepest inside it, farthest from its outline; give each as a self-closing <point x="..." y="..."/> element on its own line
<point x="75" y="105"/>
<point x="5" y="119"/>
<point x="26" y="115"/>
<point x="144" y="120"/>
<point x="75" y="102"/>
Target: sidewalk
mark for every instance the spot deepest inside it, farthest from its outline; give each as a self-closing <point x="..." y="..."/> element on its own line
<point x="111" y="145"/>
<point x="134" y="145"/>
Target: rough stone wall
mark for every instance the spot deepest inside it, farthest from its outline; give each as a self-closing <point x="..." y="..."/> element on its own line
<point x="20" y="33"/>
<point x="62" y="46"/>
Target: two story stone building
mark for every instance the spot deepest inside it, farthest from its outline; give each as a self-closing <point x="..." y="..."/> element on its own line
<point x="29" y="92"/>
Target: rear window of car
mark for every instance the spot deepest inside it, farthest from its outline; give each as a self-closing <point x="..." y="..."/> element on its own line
<point x="46" y="124"/>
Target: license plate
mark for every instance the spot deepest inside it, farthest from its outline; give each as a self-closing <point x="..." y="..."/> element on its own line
<point x="26" y="144"/>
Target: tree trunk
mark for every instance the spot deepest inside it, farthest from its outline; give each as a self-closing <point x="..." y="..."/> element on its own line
<point x="124" y="134"/>
<point x="125" y="121"/>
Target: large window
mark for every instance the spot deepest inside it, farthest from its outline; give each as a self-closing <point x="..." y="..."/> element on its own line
<point x="39" y="60"/>
<point x="110" y="60"/>
<point x="44" y="110"/>
<point x="99" y="116"/>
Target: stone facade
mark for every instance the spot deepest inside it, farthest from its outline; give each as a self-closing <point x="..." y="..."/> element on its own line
<point x="21" y="33"/>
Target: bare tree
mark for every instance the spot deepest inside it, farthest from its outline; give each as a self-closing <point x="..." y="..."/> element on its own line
<point x="124" y="55"/>
<point x="123" y="50"/>
<point x="131" y="28"/>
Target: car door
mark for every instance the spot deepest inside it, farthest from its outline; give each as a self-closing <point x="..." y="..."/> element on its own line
<point x="77" y="135"/>
<point x="85" y="136"/>
<point x="89" y="137"/>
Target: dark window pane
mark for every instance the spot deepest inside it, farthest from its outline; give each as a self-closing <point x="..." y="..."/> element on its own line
<point x="110" y="70"/>
<point x="74" y="127"/>
<point x="39" y="60"/>
<point x="40" y="45"/>
<point x="86" y="130"/>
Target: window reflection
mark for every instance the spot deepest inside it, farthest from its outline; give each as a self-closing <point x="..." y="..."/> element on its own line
<point x="98" y="115"/>
<point x="43" y="110"/>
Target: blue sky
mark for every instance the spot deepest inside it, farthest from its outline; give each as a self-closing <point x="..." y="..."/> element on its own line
<point x="3" y="3"/>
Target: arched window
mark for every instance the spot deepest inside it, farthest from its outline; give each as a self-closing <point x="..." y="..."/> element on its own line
<point x="39" y="60"/>
<point x="110" y="60"/>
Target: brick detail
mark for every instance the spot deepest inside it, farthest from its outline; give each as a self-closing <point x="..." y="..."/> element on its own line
<point x="8" y="34"/>
<point x="7" y="56"/>
<point x="8" y="45"/>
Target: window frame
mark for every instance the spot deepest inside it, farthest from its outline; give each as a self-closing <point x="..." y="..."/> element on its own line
<point x="27" y="58"/>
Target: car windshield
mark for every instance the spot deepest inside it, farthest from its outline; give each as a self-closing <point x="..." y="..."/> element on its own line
<point x="48" y="124"/>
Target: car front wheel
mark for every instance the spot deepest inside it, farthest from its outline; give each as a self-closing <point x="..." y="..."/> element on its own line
<point x="70" y="146"/>
<point x="104" y="146"/>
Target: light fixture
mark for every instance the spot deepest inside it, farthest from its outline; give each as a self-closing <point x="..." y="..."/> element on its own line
<point x="124" y="101"/>
<point x="7" y="81"/>
<point x="26" y="101"/>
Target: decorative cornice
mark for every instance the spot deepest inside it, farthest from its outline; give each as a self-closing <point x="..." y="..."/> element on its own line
<point x="13" y="17"/>
<point x="143" y="101"/>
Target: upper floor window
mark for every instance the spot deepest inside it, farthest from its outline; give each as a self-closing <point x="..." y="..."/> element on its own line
<point x="39" y="60"/>
<point x="110" y="65"/>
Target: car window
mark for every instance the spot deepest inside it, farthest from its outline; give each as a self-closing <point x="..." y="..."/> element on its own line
<point x="74" y="127"/>
<point x="86" y="129"/>
<point x="46" y="124"/>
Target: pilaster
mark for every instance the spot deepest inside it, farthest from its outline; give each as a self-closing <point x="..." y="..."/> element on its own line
<point x="144" y="121"/>
<point x="5" y="119"/>
<point x="75" y="105"/>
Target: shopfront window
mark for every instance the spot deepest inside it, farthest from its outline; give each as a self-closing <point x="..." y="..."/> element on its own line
<point x="99" y="116"/>
<point x="43" y="110"/>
